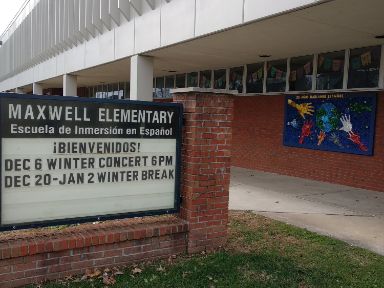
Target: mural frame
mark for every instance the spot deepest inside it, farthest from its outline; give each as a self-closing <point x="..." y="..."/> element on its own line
<point x="347" y="107"/>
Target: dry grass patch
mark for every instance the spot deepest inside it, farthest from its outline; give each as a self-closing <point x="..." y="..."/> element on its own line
<point x="260" y="253"/>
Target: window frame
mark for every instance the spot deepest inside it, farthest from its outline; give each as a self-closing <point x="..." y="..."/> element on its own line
<point x="288" y="72"/>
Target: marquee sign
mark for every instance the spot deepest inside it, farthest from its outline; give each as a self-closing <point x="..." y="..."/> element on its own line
<point x="70" y="160"/>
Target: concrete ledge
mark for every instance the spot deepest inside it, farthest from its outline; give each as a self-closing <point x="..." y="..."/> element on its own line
<point x="203" y="90"/>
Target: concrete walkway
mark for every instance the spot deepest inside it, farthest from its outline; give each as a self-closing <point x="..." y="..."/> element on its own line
<point x="346" y="213"/>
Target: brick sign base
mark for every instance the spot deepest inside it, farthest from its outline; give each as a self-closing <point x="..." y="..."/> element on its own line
<point x="37" y="256"/>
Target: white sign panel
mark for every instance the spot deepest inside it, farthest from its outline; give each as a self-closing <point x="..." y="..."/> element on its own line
<point x="67" y="160"/>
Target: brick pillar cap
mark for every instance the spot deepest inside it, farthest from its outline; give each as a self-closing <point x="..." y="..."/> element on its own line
<point x="203" y="90"/>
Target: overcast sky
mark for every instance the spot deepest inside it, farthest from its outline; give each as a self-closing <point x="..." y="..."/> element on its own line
<point x="8" y="10"/>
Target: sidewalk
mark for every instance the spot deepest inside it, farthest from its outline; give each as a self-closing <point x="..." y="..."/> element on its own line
<point x="346" y="213"/>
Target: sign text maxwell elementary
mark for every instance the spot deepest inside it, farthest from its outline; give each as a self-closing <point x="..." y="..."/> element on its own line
<point x="66" y="159"/>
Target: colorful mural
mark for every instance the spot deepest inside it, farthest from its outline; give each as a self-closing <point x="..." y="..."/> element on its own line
<point x="340" y="122"/>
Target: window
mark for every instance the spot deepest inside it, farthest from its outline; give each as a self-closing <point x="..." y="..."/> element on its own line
<point x="99" y="92"/>
<point x="180" y="81"/>
<point x="113" y="91"/>
<point x="169" y="84"/>
<point x="276" y="76"/>
<point x="300" y="78"/>
<point x="255" y="78"/>
<point x="110" y="91"/>
<point x="330" y="70"/>
<point x="127" y="90"/>
<point x="220" y="79"/>
<point x="192" y="79"/>
<point x="205" y="79"/>
<point x="90" y="92"/>
<point x="159" y="90"/>
<point x="124" y="90"/>
<point x="364" y="67"/>
<point x="236" y="79"/>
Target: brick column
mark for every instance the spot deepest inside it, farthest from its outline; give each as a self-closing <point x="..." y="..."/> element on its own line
<point x="206" y="157"/>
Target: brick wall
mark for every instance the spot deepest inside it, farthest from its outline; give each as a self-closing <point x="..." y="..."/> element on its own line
<point x="163" y="100"/>
<point x="206" y="167"/>
<point x="36" y="257"/>
<point x="258" y="138"/>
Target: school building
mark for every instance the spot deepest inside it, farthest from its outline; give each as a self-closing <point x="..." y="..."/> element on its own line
<point x="264" y="52"/>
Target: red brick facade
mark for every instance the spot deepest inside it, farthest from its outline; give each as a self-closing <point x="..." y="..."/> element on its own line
<point x="40" y="257"/>
<point x="258" y="144"/>
<point x="206" y="167"/>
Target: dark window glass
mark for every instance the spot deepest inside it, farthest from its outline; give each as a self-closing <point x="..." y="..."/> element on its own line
<point x="205" y="79"/>
<point x="100" y="92"/>
<point x="300" y="78"/>
<point x="169" y="84"/>
<point x="236" y="79"/>
<point x="121" y="94"/>
<point x="220" y="79"/>
<point x="364" y="67"/>
<point x="114" y="91"/>
<point x="89" y="92"/>
<point x="119" y="90"/>
<point x="255" y="78"/>
<point x="276" y="76"/>
<point x="95" y="91"/>
<point x="127" y="90"/>
<point x="160" y="82"/>
<point x="159" y="91"/>
<point x="330" y="71"/>
<point x="180" y="81"/>
<point x="122" y="88"/>
<point x="192" y="79"/>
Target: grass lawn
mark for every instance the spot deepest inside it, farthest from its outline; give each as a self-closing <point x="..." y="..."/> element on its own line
<point x="260" y="253"/>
